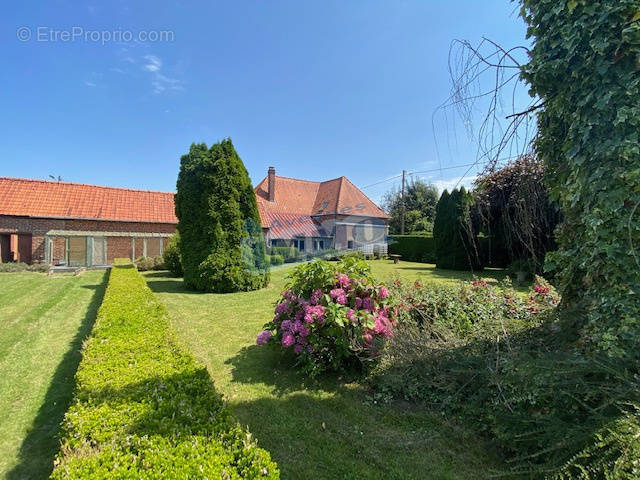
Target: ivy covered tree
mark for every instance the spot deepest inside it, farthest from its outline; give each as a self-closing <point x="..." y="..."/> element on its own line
<point x="221" y="244"/>
<point x="420" y="204"/>
<point x="453" y="232"/>
<point x="584" y="67"/>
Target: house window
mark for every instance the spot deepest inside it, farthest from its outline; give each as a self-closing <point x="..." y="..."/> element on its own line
<point x="299" y="244"/>
<point x="318" y="244"/>
<point x="350" y="244"/>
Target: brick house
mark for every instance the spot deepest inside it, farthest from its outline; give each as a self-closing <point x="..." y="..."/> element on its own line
<point x="63" y="223"/>
<point x="81" y="225"/>
<point x="313" y="216"/>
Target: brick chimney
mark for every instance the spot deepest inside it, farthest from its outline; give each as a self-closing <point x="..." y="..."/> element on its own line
<point x="271" y="175"/>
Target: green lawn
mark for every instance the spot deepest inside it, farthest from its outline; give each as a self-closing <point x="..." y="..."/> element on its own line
<point x="315" y="430"/>
<point x="43" y="322"/>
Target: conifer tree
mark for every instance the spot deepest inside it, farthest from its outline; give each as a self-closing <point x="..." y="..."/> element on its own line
<point x="452" y="232"/>
<point x="221" y="242"/>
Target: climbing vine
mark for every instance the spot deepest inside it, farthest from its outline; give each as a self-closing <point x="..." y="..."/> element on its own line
<point x="585" y="67"/>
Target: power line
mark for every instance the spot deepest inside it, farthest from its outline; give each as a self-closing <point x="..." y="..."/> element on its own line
<point x="383" y="181"/>
<point x="421" y="171"/>
<point x="444" y="168"/>
<point x="433" y="170"/>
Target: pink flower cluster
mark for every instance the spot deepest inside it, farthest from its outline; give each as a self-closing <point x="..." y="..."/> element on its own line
<point x="356" y="305"/>
<point x="542" y="289"/>
<point x="264" y="337"/>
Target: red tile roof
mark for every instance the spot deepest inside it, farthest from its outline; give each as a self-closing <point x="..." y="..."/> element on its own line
<point x="303" y="197"/>
<point x="50" y="199"/>
<point x="296" y="201"/>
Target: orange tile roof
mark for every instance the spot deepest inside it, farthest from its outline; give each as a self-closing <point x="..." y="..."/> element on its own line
<point x="50" y="199"/>
<point x="293" y="199"/>
<point x="304" y="197"/>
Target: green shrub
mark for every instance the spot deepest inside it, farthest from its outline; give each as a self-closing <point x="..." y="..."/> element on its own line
<point x="143" y="406"/>
<point x="502" y="362"/>
<point x="221" y="243"/>
<point x="12" y="267"/>
<point x="276" y="259"/>
<point x="171" y="256"/>
<point x="144" y="264"/>
<point x="289" y="254"/>
<point x="158" y="263"/>
<point x="413" y="248"/>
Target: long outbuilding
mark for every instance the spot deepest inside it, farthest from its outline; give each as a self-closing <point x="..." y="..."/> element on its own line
<point x="74" y="224"/>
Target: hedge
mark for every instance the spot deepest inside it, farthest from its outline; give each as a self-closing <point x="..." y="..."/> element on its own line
<point x="143" y="407"/>
<point x="290" y="254"/>
<point x="276" y="259"/>
<point x="413" y="248"/>
<point x="12" y="267"/>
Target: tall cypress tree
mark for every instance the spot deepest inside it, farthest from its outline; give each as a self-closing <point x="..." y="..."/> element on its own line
<point x="439" y="223"/>
<point x="220" y="236"/>
<point x="452" y="232"/>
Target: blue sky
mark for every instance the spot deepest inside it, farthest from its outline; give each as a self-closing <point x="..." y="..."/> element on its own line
<point x="317" y="89"/>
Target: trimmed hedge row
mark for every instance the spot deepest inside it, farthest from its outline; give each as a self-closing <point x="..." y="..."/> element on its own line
<point x="143" y="406"/>
<point x="413" y="248"/>
<point x="289" y="254"/>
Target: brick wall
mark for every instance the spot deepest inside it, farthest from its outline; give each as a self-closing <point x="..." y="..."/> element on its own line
<point x="117" y="247"/>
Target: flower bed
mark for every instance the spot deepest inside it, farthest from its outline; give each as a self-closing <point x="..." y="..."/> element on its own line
<point x="331" y="316"/>
<point x="469" y="306"/>
<point x="143" y="407"/>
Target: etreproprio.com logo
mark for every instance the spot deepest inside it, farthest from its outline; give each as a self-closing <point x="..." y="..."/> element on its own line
<point x="48" y="34"/>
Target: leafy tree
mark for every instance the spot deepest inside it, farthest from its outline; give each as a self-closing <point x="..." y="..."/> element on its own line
<point x="513" y="210"/>
<point x="221" y="243"/>
<point x="420" y="204"/>
<point x="453" y="233"/>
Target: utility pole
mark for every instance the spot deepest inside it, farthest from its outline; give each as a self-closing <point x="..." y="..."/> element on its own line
<point x="403" y="206"/>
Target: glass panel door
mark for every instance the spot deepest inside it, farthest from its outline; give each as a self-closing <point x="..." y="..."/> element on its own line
<point x="99" y="251"/>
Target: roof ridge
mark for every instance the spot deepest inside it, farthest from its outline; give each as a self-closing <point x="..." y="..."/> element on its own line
<point x="365" y="196"/>
<point x="339" y="192"/>
<point x="55" y="182"/>
<point x="303" y="180"/>
<point x="297" y="179"/>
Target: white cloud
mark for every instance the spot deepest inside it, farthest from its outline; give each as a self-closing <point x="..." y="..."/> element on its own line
<point x="451" y="183"/>
<point x="154" y="64"/>
<point x="89" y="84"/>
<point x="160" y="82"/>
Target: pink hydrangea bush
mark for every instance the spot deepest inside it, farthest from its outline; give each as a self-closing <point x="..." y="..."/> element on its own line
<point x="332" y="316"/>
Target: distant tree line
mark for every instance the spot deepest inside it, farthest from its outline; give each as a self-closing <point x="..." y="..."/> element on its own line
<point x="420" y="201"/>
